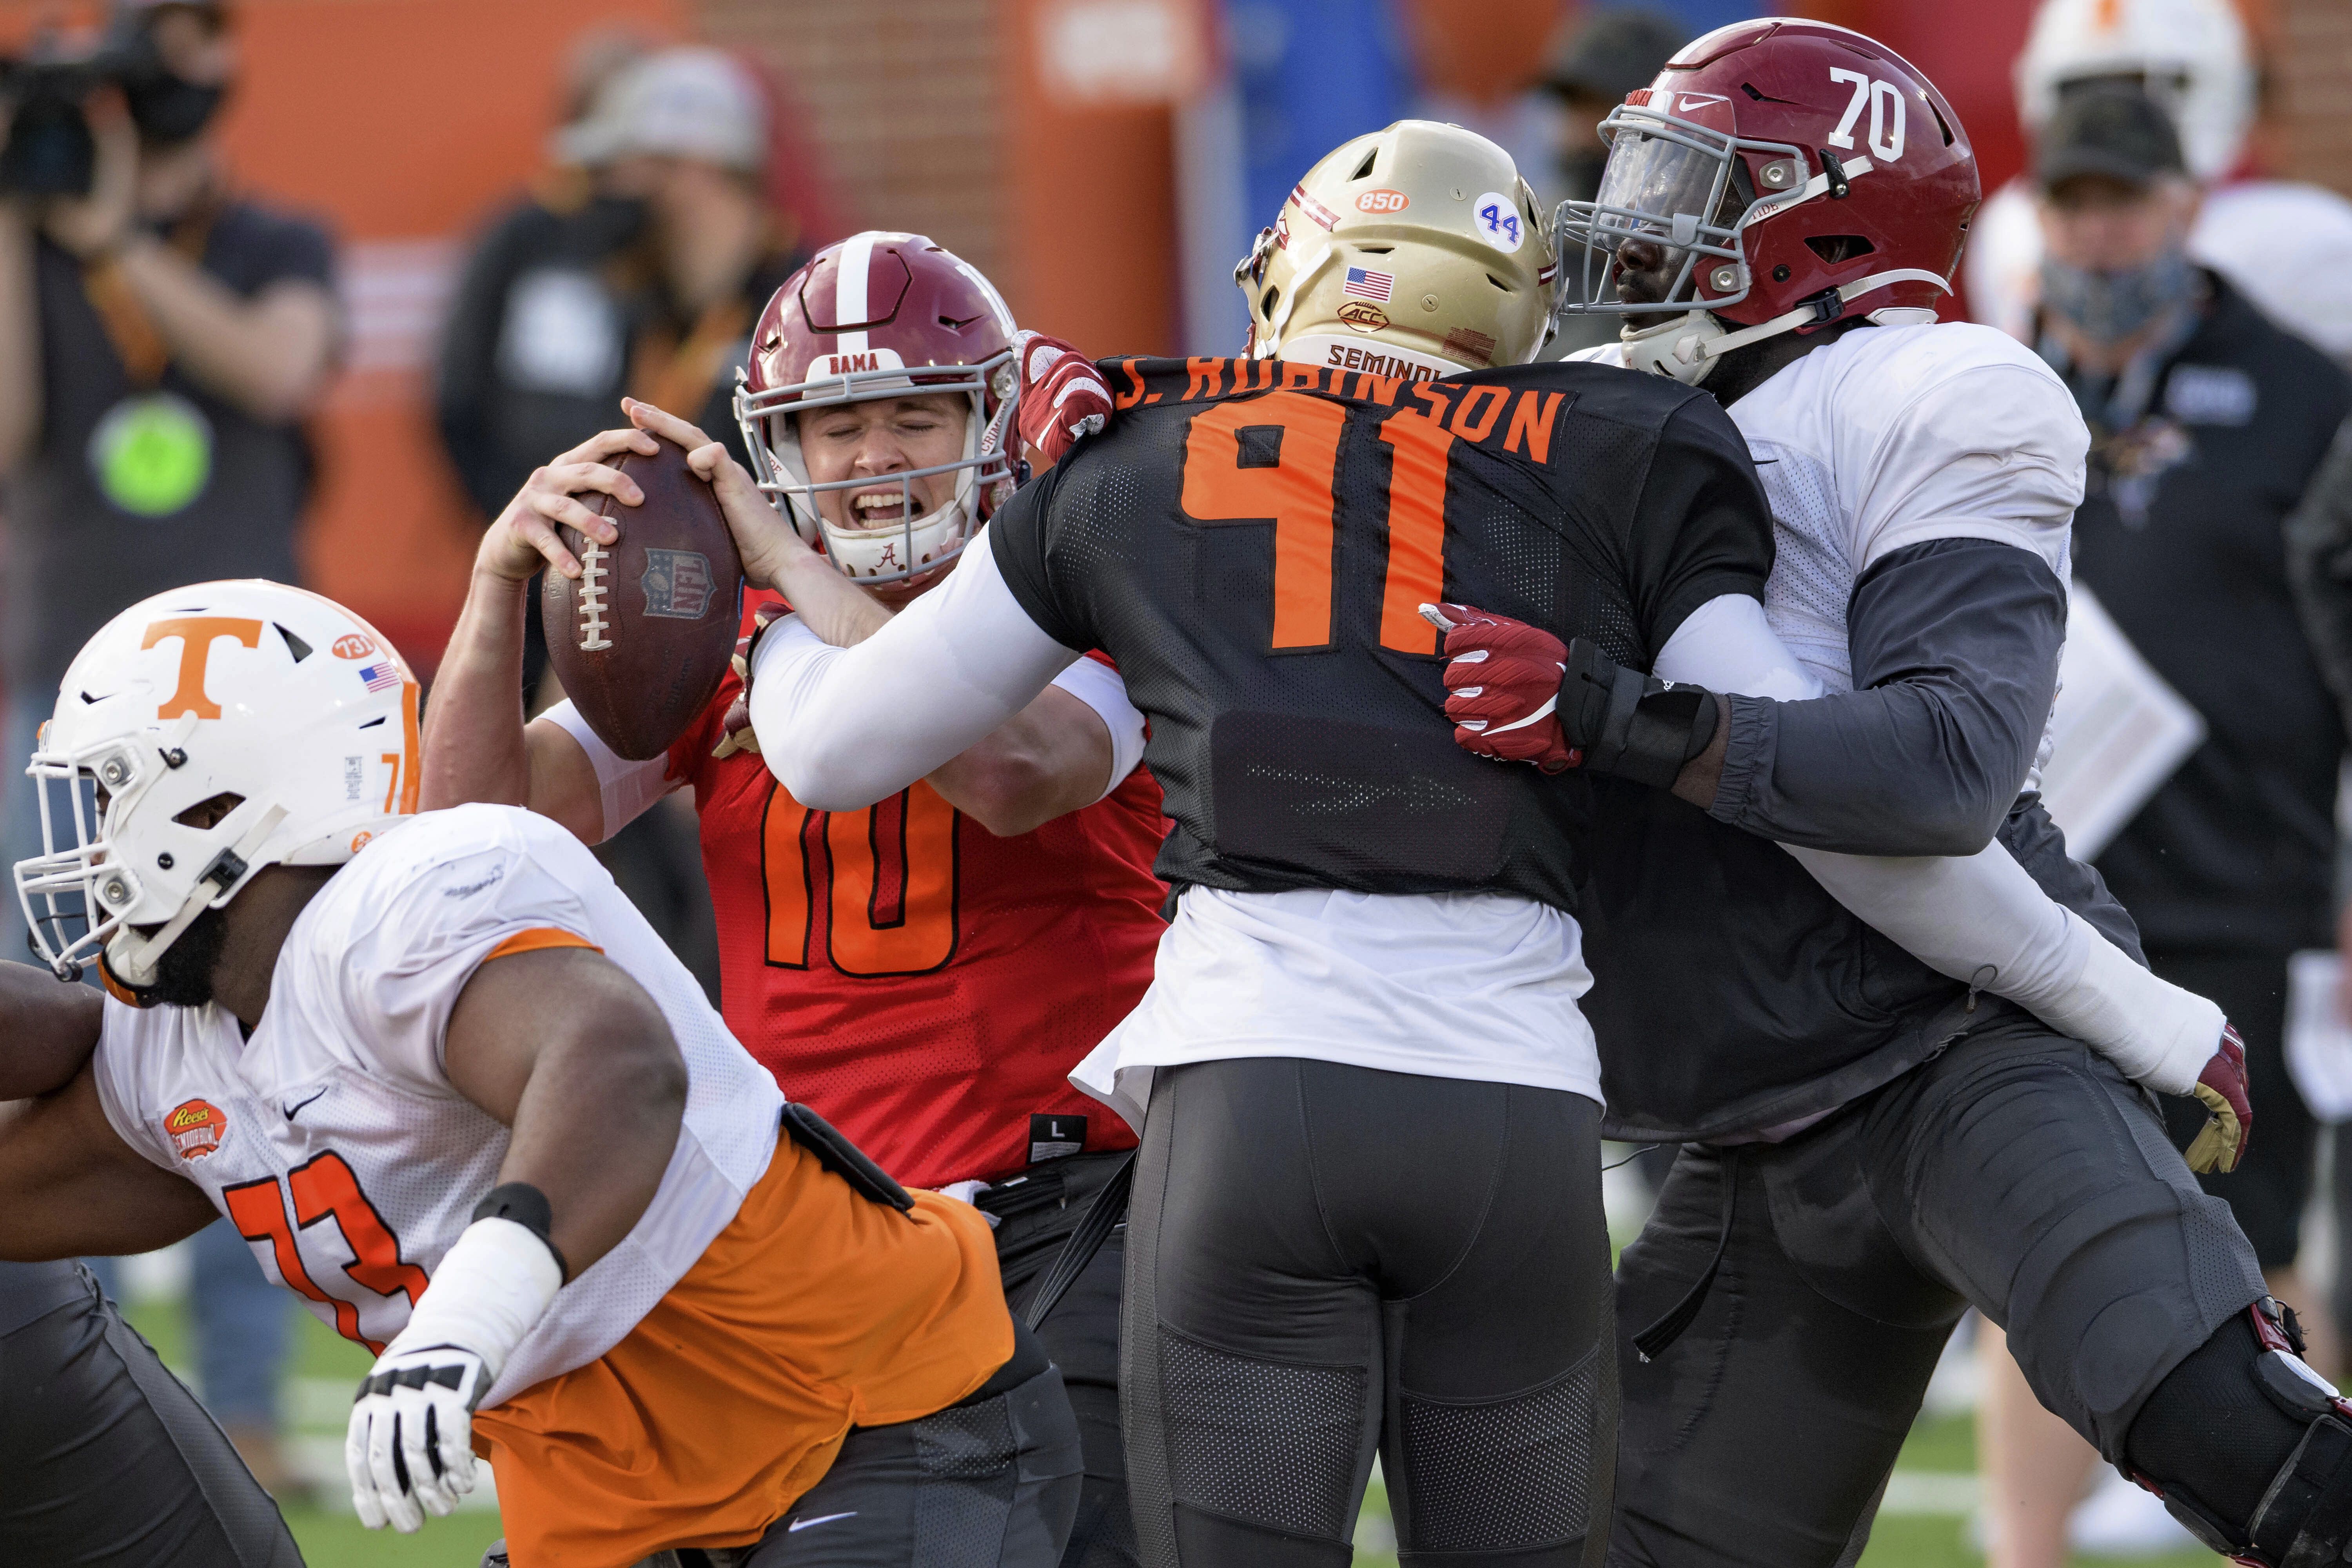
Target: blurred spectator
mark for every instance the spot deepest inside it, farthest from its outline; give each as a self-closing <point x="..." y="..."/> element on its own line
<point x="161" y="340"/>
<point x="1600" y="60"/>
<point x="535" y="335"/>
<point x="638" y="266"/>
<point x="2209" y="424"/>
<point x="2193" y="56"/>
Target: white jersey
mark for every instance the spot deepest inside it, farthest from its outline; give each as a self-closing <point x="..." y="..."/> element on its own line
<point x="333" y="1140"/>
<point x="2287" y="244"/>
<point x="1889" y="437"/>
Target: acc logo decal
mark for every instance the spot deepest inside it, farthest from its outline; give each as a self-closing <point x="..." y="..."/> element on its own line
<point x="1499" y="221"/>
<point x="1362" y="317"/>
<point x="351" y="644"/>
<point x="1382" y="202"/>
<point x="195" y="1128"/>
<point x="678" y="584"/>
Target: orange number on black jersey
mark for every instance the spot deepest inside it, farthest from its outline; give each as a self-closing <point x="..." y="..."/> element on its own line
<point x="1272" y="459"/>
<point x="326" y="1188"/>
<point x="890" y="900"/>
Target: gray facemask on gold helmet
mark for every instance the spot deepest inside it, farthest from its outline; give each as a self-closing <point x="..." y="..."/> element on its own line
<point x="1413" y="251"/>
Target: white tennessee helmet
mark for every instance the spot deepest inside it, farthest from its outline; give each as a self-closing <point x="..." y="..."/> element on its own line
<point x="2190" y="55"/>
<point x="200" y="736"/>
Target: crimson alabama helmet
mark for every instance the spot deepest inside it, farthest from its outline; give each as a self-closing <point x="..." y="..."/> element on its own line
<point x="882" y="315"/>
<point x="1792" y="169"/>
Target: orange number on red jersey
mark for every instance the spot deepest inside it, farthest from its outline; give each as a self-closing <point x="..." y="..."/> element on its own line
<point x="1274" y="458"/>
<point x="890" y="882"/>
<point x="326" y="1188"/>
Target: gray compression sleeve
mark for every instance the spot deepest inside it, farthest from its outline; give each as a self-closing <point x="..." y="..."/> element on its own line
<point x="1955" y="645"/>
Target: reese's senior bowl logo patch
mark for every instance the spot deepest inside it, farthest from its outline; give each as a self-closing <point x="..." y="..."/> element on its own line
<point x="678" y="584"/>
<point x="195" y="1128"/>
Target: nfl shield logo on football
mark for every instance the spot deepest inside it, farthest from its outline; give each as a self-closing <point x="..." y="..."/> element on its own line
<point x="195" y="1128"/>
<point x="678" y="584"/>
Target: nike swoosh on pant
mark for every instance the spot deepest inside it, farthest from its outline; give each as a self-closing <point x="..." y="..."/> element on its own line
<point x="800" y="1524"/>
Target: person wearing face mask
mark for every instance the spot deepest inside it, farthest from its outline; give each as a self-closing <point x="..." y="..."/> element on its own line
<point x="162" y="339"/>
<point x="2209" y="424"/>
<point x="637" y="267"/>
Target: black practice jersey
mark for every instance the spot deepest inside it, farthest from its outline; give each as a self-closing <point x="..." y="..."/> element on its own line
<point x="1251" y="541"/>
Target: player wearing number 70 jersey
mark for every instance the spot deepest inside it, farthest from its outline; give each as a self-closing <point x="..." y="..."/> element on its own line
<point x="458" y="1096"/>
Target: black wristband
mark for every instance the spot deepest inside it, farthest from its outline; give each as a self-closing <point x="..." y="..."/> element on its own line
<point x="528" y="1207"/>
<point x="1632" y="725"/>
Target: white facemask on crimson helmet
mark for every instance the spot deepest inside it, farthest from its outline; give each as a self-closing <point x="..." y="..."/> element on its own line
<point x="200" y="736"/>
<point x="879" y="317"/>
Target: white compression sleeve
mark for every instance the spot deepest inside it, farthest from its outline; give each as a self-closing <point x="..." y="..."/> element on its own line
<point x="628" y="789"/>
<point x="844" y="727"/>
<point x="1097" y="686"/>
<point x="1981" y="918"/>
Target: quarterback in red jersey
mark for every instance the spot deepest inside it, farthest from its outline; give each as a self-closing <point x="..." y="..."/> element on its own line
<point x="924" y="972"/>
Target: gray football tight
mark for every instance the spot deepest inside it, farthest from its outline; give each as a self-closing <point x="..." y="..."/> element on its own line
<point x="1325" y="1262"/>
<point x="108" y="1457"/>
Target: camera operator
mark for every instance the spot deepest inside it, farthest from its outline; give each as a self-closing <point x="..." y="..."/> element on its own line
<point x="161" y="341"/>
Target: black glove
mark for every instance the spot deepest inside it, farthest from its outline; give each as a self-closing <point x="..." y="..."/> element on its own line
<point x="1630" y="724"/>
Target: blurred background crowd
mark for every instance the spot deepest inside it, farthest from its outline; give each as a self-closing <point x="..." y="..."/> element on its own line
<point x="305" y="289"/>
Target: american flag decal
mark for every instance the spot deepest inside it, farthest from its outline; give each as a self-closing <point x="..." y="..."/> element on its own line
<point x="1363" y="283"/>
<point x="380" y="676"/>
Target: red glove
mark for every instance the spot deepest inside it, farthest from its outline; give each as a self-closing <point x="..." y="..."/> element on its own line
<point x="1503" y="687"/>
<point x="735" y="732"/>
<point x="1063" y="396"/>
<point x="2222" y="1089"/>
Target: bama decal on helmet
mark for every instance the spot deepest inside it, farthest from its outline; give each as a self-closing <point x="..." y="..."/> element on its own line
<point x="851" y="364"/>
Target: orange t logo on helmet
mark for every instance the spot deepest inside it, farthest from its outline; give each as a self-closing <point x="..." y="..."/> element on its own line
<point x="196" y="634"/>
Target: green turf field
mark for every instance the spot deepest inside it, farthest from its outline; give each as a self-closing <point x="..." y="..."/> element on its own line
<point x="1923" y="1527"/>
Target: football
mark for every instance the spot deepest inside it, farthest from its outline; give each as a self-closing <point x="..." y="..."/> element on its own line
<point x="641" y="639"/>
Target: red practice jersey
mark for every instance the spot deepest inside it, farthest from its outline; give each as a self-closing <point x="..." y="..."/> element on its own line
<point x="923" y="983"/>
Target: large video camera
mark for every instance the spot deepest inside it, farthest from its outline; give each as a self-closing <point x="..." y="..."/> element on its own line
<point x="50" y="150"/>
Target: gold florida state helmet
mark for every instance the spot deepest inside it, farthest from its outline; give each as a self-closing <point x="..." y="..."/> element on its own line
<point x="1419" y="243"/>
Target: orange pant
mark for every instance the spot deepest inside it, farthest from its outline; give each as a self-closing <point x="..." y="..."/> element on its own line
<point x="814" y="1311"/>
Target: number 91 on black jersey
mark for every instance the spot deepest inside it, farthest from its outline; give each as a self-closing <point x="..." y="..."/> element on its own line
<point x="1251" y="541"/>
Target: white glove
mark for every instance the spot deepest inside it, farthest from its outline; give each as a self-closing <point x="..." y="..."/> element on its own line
<point x="409" y="1449"/>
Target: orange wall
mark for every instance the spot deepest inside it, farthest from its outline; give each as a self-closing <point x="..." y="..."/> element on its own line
<point x="1092" y="229"/>
<point x="402" y="122"/>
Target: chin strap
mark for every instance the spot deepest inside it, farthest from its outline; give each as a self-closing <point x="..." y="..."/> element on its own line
<point x="1687" y="347"/>
<point x="137" y="966"/>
